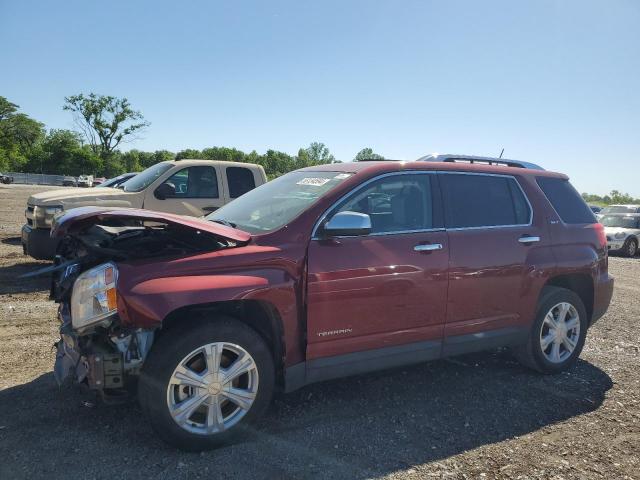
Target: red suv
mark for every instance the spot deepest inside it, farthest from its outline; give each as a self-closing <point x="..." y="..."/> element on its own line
<point x="322" y="273"/>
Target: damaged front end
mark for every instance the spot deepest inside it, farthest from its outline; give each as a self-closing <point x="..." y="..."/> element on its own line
<point x="98" y="346"/>
<point x="94" y="348"/>
<point x="106" y="360"/>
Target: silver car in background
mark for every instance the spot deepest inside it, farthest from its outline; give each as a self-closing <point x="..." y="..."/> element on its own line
<point x="617" y="210"/>
<point x="623" y="232"/>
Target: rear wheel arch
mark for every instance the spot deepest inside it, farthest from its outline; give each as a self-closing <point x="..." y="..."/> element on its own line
<point x="556" y="327"/>
<point x="261" y="316"/>
<point x="579" y="283"/>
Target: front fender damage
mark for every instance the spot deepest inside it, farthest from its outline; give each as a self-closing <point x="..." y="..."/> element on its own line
<point x="109" y="357"/>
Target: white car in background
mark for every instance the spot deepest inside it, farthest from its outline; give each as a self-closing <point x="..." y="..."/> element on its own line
<point x="623" y="233"/>
<point x="85" y="181"/>
<point x="618" y="209"/>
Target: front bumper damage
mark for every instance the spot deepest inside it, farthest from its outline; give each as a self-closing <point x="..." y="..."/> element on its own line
<point x="37" y="242"/>
<point x="70" y="364"/>
<point x="107" y="360"/>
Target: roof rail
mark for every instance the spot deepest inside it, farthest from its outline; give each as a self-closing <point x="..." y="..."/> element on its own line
<point x="435" y="157"/>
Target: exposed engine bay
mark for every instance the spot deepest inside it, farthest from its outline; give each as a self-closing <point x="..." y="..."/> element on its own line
<point x="123" y="242"/>
<point x="95" y="348"/>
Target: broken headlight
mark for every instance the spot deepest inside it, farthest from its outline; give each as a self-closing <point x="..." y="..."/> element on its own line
<point x="93" y="299"/>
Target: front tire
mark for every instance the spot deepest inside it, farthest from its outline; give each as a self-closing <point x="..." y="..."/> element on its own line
<point x="558" y="333"/>
<point x="205" y="381"/>
<point x="630" y="248"/>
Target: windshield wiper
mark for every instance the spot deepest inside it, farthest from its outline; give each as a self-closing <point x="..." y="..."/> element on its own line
<point x="226" y="223"/>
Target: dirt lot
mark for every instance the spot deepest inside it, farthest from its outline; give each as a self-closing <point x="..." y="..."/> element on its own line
<point x="477" y="416"/>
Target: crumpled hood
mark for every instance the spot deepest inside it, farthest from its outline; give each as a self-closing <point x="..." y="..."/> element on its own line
<point x="78" y="197"/>
<point x="79" y="217"/>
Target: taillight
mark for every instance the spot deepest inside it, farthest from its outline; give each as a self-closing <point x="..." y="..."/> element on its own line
<point x="599" y="228"/>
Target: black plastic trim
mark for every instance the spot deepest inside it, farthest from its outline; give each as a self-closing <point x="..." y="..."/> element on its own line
<point x="474" y="342"/>
<point x="327" y="368"/>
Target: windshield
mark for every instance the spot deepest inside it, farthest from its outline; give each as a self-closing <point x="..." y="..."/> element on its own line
<point x="618" y="209"/>
<point x="276" y="203"/>
<point x="112" y="182"/>
<point x="623" y="222"/>
<point x="146" y="177"/>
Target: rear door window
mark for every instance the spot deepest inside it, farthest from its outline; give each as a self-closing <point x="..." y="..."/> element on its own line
<point x="476" y="200"/>
<point x="240" y="181"/>
<point x="566" y="201"/>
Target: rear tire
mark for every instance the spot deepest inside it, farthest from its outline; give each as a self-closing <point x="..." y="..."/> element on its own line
<point x="558" y="332"/>
<point x="205" y="381"/>
<point x="630" y="248"/>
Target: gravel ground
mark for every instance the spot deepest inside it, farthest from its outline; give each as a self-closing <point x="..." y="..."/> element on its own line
<point x="476" y="416"/>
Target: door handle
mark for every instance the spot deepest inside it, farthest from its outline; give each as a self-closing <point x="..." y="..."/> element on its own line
<point x="528" y="239"/>
<point x="427" y="247"/>
<point x="210" y="209"/>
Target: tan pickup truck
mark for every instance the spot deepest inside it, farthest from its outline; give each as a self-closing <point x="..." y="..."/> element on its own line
<point x="184" y="187"/>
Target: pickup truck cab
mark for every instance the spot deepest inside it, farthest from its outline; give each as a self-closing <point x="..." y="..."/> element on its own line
<point x="183" y="187"/>
<point x="325" y="272"/>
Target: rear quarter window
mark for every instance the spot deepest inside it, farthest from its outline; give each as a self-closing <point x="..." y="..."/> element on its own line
<point x="240" y="181"/>
<point x="566" y="201"/>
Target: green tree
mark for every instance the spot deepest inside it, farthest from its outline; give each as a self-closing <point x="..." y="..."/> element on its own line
<point x="162" y="156"/>
<point x="188" y="153"/>
<point x="61" y="152"/>
<point x="615" y="197"/>
<point x="223" y="153"/>
<point x="302" y="159"/>
<point x="131" y="161"/>
<point x="19" y="136"/>
<point x="105" y="121"/>
<point x="367" y="154"/>
<point x="275" y="163"/>
<point x="7" y="108"/>
<point x="136" y="160"/>
<point x="621" y="198"/>
<point x="319" y="154"/>
<point x="112" y="164"/>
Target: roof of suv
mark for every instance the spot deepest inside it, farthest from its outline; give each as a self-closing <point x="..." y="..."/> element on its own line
<point x="381" y="166"/>
<point x="190" y="162"/>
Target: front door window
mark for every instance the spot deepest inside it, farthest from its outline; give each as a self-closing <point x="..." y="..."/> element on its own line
<point x="193" y="182"/>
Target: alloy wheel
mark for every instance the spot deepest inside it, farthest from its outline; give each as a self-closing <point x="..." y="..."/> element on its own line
<point x="560" y="332"/>
<point x="212" y="388"/>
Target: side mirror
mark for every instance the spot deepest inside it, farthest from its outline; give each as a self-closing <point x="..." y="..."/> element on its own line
<point x="348" y="224"/>
<point x="164" y="191"/>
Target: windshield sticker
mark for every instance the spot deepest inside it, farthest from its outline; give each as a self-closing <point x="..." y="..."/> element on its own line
<point x="316" y="182"/>
<point x="342" y="176"/>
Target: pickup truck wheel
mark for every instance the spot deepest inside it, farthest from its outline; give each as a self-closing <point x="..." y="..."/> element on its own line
<point x="205" y="381"/>
<point x="630" y="248"/>
<point x="558" y="333"/>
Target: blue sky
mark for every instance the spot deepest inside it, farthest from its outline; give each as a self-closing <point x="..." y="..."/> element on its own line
<point x="556" y="82"/>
